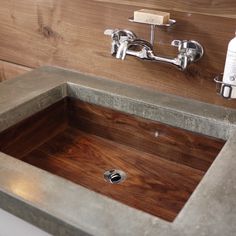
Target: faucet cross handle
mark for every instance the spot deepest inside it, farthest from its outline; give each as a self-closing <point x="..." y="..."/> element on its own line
<point x="189" y="48"/>
<point x="118" y="37"/>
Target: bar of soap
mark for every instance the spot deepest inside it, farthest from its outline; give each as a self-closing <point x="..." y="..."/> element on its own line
<point x="151" y="17"/>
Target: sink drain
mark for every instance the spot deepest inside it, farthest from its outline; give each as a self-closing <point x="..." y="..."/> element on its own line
<point x="114" y="176"/>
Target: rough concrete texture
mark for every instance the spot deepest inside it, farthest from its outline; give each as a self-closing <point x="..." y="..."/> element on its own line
<point x="63" y="208"/>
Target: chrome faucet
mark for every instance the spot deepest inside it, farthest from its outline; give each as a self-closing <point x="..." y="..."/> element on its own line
<point x="125" y="42"/>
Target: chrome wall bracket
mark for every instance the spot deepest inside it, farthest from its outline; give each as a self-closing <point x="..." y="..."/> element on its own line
<point x="224" y="89"/>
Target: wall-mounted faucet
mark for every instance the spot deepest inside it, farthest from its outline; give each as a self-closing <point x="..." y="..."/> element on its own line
<point x="125" y="42"/>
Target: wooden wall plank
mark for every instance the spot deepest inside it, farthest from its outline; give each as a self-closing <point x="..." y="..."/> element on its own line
<point x="208" y="7"/>
<point x="10" y="70"/>
<point x="70" y="34"/>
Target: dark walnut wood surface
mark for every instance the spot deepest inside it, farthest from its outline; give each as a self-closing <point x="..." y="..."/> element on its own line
<point x="80" y="141"/>
<point x="48" y="33"/>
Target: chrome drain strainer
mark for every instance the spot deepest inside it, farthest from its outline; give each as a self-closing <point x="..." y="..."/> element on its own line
<point x="114" y="176"/>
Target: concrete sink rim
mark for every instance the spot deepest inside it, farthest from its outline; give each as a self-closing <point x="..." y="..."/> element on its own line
<point x="43" y="87"/>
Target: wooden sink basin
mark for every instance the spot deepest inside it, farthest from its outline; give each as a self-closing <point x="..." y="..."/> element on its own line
<point x="80" y="141"/>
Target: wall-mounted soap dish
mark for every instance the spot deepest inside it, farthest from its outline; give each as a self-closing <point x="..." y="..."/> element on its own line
<point x="171" y="22"/>
<point x="152" y="37"/>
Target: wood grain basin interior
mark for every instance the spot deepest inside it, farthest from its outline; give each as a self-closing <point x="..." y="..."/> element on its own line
<point x="80" y="141"/>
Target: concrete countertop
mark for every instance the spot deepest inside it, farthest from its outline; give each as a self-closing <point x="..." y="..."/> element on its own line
<point x="61" y="207"/>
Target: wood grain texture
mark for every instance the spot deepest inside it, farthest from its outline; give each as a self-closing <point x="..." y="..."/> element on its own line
<point x="154" y="185"/>
<point x="30" y="133"/>
<point x="178" y="145"/>
<point x="80" y="141"/>
<point x="70" y="34"/>
<point x="11" y="70"/>
<point x="208" y="7"/>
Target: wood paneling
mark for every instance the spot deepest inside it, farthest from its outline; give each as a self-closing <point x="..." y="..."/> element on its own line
<point x="226" y="8"/>
<point x="70" y="34"/>
<point x="154" y="185"/>
<point x="178" y="145"/>
<point x="79" y="142"/>
<point x="10" y="70"/>
<point x="28" y="134"/>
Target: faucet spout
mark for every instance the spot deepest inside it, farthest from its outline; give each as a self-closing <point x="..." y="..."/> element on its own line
<point x="180" y="63"/>
<point x="144" y="50"/>
<point x="122" y="50"/>
<point x="137" y="47"/>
